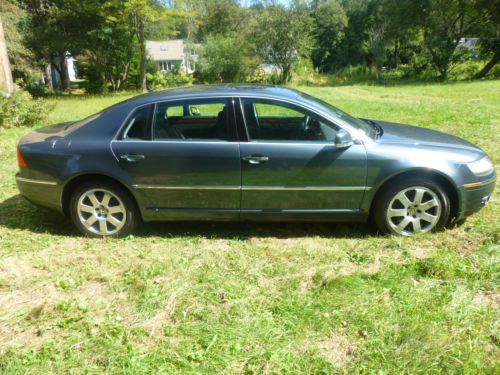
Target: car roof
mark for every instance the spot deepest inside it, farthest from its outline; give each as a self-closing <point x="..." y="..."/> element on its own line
<point x="203" y="91"/>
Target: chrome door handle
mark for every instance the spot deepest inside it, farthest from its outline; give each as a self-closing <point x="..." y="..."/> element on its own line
<point x="132" y="157"/>
<point x="254" y="159"/>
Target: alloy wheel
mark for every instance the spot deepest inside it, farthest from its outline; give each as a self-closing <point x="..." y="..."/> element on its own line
<point x="101" y="212"/>
<point x="414" y="210"/>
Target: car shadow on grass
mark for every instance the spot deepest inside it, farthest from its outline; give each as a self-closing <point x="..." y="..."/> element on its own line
<point x="17" y="213"/>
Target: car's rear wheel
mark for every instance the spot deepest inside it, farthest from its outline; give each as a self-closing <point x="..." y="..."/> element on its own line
<point x="101" y="209"/>
<point x="412" y="207"/>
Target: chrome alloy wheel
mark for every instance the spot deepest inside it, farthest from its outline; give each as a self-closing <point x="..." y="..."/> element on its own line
<point x="414" y="210"/>
<point x="101" y="212"/>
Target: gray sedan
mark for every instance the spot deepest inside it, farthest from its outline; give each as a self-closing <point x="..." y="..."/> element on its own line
<point x="249" y="153"/>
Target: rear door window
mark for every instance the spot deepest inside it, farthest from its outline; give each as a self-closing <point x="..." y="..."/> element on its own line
<point x="194" y="119"/>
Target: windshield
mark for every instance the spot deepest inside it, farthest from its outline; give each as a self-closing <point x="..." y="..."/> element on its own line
<point x="357" y="123"/>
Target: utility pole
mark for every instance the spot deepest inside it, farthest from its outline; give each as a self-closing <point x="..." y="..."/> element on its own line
<point x="5" y="72"/>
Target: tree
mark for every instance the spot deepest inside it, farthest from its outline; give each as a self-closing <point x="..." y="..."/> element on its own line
<point x="215" y="17"/>
<point x="58" y="27"/>
<point x="488" y="30"/>
<point x="20" y="56"/>
<point x="225" y="59"/>
<point x="284" y="35"/>
<point x="330" y="21"/>
<point x="111" y="48"/>
<point x="444" y="23"/>
<point x="5" y="73"/>
<point x="149" y="17"/>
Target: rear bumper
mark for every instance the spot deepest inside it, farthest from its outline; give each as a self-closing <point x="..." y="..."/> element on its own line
<point x="474" y="199"/>
<point x="40" y="192"/>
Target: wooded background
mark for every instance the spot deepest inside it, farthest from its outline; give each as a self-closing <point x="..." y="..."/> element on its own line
<point x="404" y="39"/>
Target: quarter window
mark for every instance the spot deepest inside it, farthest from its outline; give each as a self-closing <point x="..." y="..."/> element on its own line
<point x="138" y="126"/>
<point x="193" y="120"/>
<point x="280" y="121"/>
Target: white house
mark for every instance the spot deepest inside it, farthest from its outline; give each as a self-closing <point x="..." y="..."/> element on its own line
<point x="171" y="53"/>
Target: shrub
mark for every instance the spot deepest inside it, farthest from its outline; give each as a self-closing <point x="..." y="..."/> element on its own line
<point x="160" y="80"/>
<point x="226" y="59"/>
<point x="20" y="109"/>
<point x="36" y="89"/>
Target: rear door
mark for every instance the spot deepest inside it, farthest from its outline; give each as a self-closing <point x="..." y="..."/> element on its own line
<point x="183" y="158"/>
<point x="291" y="166"/>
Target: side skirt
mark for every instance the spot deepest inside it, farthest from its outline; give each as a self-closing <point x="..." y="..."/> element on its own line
<point x="304" y="215"/>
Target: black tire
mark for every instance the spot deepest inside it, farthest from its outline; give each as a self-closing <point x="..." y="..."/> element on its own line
<point x="414" y="213"/>
<point x="118" y="223"/>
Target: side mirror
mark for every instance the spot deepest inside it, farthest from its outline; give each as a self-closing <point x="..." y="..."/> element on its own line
<point x="343" y="139"/>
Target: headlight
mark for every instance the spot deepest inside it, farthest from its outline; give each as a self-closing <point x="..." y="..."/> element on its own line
<point x="481" y="167"/>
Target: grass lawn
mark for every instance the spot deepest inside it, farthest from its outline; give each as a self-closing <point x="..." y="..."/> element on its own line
<point x="257" y="298"/>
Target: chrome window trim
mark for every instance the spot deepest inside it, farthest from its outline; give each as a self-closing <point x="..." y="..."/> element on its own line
<point x="362" y="138"/>
<point x="182" y="142"/>
<point x="34" y="181"/>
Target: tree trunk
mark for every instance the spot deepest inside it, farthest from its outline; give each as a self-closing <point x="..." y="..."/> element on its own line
<point x="65" y="83"/>
<point x="6" y="82"/>
<point x="396" y="54"/>
<point x="124" y="76"/>
<point x="48" y="76"/>
<point x="142" y="44"/>
<point x="489" y="66"/>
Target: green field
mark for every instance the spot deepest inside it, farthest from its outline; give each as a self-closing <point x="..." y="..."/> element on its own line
<point x="257" y="298"/>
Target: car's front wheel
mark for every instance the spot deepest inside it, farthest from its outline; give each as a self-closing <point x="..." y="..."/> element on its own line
<point x="411" y="207"/>
<point x="101" y="209"/>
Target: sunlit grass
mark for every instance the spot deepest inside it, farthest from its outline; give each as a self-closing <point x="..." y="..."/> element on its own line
<point x="257" y="298"/>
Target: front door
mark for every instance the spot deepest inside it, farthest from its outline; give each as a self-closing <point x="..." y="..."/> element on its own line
<point x="291" y="166"/>
<point x="183" y="159"/>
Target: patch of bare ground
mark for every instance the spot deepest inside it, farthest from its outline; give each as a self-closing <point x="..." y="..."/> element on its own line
<point x="18" y="311"/>
<point x="66" y="244"/>
<point x="461" y="241"/>
<point x="422" y="252"/>
<point x="155" y="327"/>
<point x="27" y="319"/>
<point x="487" y="299"/>
<point x="15" y="269"/>
<point x="338" y="348"/>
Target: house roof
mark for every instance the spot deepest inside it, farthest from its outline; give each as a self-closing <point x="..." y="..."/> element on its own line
<point x="165" y="50"/>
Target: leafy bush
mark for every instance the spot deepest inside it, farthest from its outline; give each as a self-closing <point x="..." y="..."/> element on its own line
<point x="20" y="109"/>
<point x="95" y="82"/>
<point x="160" y="80"/>
<point x="225" y="59"/>
<point x="36" y="89"/>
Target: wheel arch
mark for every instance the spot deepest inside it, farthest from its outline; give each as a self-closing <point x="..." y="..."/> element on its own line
<point x="444" y="181"/>
<point x="73" y="183"/>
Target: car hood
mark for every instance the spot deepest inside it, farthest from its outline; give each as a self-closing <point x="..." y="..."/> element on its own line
<point x="414" y="135"/>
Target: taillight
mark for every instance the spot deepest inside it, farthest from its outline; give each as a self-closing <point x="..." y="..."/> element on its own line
<point x="20" y="159"/>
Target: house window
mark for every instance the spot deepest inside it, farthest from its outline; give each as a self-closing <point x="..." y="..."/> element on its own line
<point x="163" y="47"/>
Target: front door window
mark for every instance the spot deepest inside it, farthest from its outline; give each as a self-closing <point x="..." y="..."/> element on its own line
<point x="269" y="120"/>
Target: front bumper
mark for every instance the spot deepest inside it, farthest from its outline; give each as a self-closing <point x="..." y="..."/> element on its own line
<point x="472" y="199"/>
<point x="40" y="192"/>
